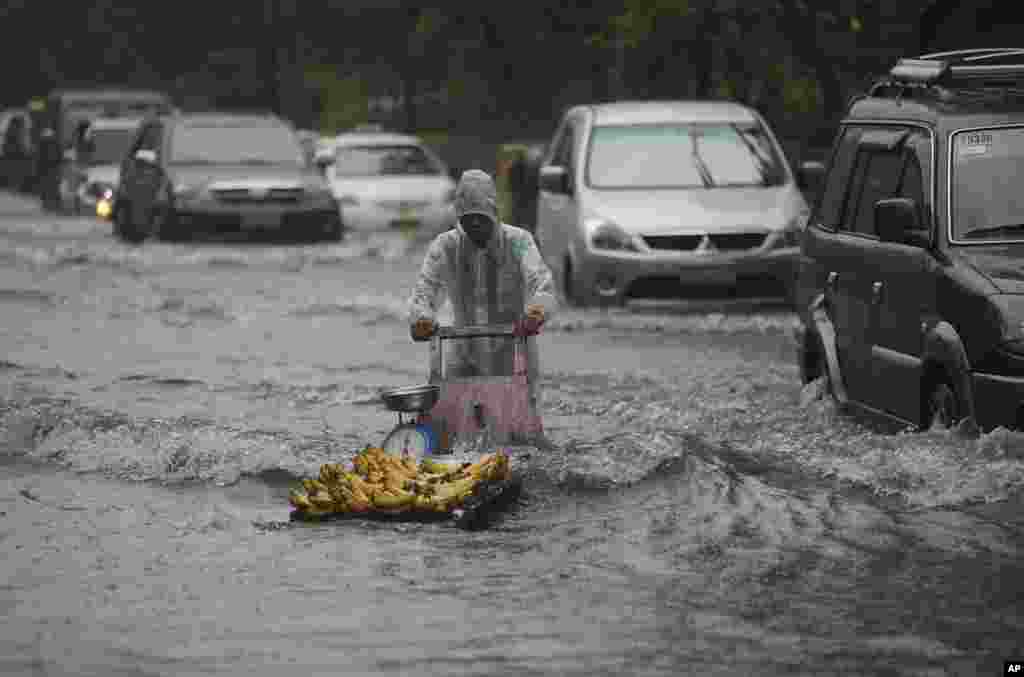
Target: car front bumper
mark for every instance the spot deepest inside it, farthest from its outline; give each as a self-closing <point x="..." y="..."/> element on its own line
<point x="255" y="220"/>
<point x="767" y="270"/>
<point x="370" y="218"/>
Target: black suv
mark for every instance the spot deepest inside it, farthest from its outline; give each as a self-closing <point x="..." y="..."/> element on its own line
<point x="911" y="280"/>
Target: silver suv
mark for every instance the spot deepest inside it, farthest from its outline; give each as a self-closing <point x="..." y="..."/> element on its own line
<point x="656" y="199"/>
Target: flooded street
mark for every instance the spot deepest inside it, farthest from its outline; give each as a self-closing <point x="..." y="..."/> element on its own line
<point x="699" y="513"/>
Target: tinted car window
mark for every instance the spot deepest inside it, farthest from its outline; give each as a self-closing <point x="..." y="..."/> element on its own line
<point x="986" y="170"/>
<point x="830" y="205"/>
<point x="109" y="146"/>
<point x="385" y="161"/>
<point x="912" y="185"/>
<point x="235" y="145"/>
<point x="882" y="171"/>
<point x="562" y="155"/>
<point x="682" y="156"/>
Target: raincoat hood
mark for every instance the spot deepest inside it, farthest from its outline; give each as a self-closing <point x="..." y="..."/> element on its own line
<point x="476" y="194"/>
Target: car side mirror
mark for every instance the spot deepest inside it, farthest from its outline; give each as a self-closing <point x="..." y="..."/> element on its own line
<point x="810" y="176"/>
<point x="323" y="159"/>
<point x="896" y="220"/>
<point x="555" y="179"/>
<point x="145" y="155"/>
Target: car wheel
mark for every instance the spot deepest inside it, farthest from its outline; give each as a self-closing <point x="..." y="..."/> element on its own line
<point x="814" y="363"/>
<point x="124" y="229"/>
<point x="942" y="406"/>
<point x="572" y="286"/>
<point x="163" y="225"/>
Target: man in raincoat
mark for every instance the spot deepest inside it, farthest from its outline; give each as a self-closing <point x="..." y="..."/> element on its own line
<point x="492" y="273"/>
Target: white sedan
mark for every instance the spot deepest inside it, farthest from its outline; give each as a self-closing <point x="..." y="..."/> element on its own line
<point x="384" y="181"/>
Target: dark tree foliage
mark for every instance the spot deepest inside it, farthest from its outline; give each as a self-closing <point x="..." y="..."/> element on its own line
<point x="505" y="68"/>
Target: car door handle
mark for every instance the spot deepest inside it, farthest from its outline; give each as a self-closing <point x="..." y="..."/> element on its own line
<point x="876" y="292"/>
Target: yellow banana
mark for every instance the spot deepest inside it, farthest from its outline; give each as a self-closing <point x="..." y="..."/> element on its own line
<point x="433" y="467"/>
<point x="322" y="501"/>
<point x="394" y="480"/>
<point x="409" y="463"/>
<point x="423" y="503"/>
<point x="308" y="485"/>
<point x="393" y="501"/>
<point x="457" y="490"/>
<point x="299" y="500"/>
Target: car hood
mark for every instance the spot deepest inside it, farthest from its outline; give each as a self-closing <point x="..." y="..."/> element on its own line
<point x="393" y="188"/>
<point x="103" y="174"/>
<point x="660" y="211"/>
<point x="1003" y="265"/>
<point x="245" y="176"/>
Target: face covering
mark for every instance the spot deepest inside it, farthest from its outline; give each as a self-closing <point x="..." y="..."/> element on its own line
<point x="478" y="228"/>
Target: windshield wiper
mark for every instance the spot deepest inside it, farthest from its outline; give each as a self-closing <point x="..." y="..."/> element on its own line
<point x="768" y="176"/>
<point x="995" y="230"/>
<point x="702" y="168"/>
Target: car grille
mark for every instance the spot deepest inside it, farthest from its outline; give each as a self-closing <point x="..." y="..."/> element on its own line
<point x="399" y="205"/>
<point x="720" y="241"/>
<point x="277" y="195"/>
<point x="308" y="220"/>
<point x="682" y="243"/>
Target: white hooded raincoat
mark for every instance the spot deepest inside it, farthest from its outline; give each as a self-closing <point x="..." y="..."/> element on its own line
<point x="486" y="286"/>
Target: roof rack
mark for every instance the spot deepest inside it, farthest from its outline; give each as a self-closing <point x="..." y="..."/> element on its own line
<point x="945" y="75"/>
<point x="944" y="67"/>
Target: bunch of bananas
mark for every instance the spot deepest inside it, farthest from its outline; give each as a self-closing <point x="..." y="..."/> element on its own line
<point x="379" y="481"/>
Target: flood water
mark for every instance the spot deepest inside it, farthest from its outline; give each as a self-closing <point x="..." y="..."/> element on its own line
<point x="699" y="512"/>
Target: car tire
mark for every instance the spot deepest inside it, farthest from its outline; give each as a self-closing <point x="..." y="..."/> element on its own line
<point x="814" y="363"/>
<point x="571" y="286"/>
<point x="163" y="225"/>
<point x="124" y="228"/>
<point x="942" y="403"/>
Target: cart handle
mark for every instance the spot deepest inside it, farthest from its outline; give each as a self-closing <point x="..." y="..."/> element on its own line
<point x="519" y="360"/>
<point x="475" y="331"/>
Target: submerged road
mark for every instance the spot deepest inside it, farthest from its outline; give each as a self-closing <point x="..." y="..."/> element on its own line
<point x="699" y="513"/>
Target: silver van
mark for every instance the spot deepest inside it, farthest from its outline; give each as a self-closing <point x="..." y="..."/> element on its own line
<point x="664" y="199"/>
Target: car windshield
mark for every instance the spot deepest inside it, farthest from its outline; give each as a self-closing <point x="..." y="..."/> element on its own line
<point x="986" y="169"/>
<point x="705" y="155"/>
<point x="236" y="145"/>
<point x="109" y="146"/>
<point x="385" y="161"/>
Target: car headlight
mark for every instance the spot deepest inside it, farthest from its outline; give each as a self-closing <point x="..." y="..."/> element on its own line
<point x="603" y="234"/>
<point x="100" y="191"/>
<point x="185" y="191"/>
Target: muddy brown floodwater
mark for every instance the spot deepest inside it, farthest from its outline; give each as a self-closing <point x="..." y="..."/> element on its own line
<point x="699" y="513"/>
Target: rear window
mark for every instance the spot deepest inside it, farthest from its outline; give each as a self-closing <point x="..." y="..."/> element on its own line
<point x="385" y="161"/>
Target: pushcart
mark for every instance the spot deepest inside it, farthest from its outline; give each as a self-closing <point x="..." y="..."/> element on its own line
<point x="467" y="413"/>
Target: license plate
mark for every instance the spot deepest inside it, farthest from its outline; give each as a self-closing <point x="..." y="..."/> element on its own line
<point x="407" y="214"/>
<point x="708" y="277"/>
<point x="260" y="221"/>
<point x="405" y="224"/>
